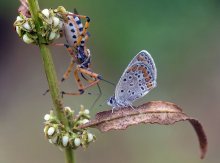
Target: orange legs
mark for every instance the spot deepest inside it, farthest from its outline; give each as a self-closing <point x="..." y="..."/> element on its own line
<point x="80" y="86"/>
<point x="84" y="32"/>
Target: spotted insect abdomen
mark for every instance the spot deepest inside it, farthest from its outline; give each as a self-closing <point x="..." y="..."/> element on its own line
<point x="73" y="29"/>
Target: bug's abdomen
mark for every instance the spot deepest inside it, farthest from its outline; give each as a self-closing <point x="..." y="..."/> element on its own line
<point x="73" y="29"/>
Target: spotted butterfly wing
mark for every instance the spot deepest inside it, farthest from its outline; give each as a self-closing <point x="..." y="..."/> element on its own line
<point x="144" y="56"/>
<point x="137" y="80"/>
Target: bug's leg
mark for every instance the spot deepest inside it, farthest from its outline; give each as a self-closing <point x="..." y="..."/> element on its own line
<point x="70" y="67"/>
<point x="65" y="75"/>
<point x="90" y="73"/>
<point x="84" y="32"/>
<point x="96" y="77"/>
<point x="67" y="72"/>
<point x="79" y="85"/>
<point x="68" y="48"/>
<point x="98" y="97"/>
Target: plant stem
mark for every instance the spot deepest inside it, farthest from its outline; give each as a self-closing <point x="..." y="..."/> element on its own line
<point x="50" y="73"/>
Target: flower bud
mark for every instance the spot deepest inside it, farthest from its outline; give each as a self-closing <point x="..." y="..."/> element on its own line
<point x="54" y="140"/>
<point x="86" y="111"/>
<point x="52" y="35"/>
<point x="77" y="142"/>
<point x="90" y="137"/>
<point x="27" y="26"/>
<point x="67" y="108"/>
<point x="65" y="140"/>
<point x="45" y="129"/>
<point x="46" y="12"/>
<point x="18" y="30"/>
<point x="27" y="39"/>
<point x="50" y="141"/>
<point x="50" y="131"/>
<point x="19" y="18"/>
<point x="84" y="121"/>
<point x="56" y="21"/>
<point x="47" y="117"/>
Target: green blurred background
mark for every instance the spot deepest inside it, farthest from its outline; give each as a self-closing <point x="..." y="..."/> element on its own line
<point x="184" y="40"/>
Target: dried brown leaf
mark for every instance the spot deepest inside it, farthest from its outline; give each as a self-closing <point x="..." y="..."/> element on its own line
<point x="24" y="9"/>
<point x="154" y="112"/>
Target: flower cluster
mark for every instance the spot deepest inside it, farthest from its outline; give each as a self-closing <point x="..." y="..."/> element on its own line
<point x="50" y="29"/>
<point x="70" y="136"/>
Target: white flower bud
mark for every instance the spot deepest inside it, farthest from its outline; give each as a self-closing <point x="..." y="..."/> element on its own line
<point x="60" y="24"/>
<point x="86" y="111"/>
<point x="27" y="39"/>
<point x="45" y="129"/>
<point x="18" y="30"/>
<point x="52" y="35"/>
<point x="46" y="12"/>
<point x="54" y="140"/>
<point x="90" y="137"/>
<point x="84" y="121"/>
<point x="50" y="141"/>
<point x="67" y="108"/>
<point x="19" y="18"/>
<point x="47" y="117"/>
<point x="77" y="142"/>
<point x="65" y="140"/>
<point x="27" y="26"/>
<point x="56" y="21"/>
<point x="50" y="131"/>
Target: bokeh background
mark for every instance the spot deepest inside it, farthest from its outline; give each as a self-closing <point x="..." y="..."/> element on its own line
<point x="184" y="40"/>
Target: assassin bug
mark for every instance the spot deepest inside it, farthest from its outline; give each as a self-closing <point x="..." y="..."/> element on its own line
<point x="76" y="36"/>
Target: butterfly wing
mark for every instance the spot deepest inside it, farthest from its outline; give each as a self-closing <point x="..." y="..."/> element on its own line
<point x="137" y="80"/>
<point x="144" y="57"/>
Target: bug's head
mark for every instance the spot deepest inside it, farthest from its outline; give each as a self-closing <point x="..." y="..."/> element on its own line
<point x="111" y="101"/>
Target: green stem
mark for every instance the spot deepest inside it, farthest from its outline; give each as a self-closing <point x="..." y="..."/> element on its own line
<point x="50" y="73"/>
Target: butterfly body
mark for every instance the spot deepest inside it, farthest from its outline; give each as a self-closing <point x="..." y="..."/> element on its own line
<point x="137" y="80"/>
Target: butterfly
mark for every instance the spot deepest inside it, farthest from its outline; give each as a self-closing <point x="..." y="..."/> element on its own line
<point x="136" y="81"/>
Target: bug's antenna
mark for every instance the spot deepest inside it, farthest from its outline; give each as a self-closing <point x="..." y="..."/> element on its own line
<point x="100" y="79"/>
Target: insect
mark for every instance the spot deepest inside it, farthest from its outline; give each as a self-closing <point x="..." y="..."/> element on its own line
<point x="136" y="81"/>
<point x="76" y="36"/>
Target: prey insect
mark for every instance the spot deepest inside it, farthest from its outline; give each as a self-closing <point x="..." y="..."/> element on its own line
<point x="138" y="79"/>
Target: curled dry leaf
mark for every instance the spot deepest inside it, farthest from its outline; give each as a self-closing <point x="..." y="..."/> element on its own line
<point x="154" y="112"/>
<point x="24" y="9"/>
